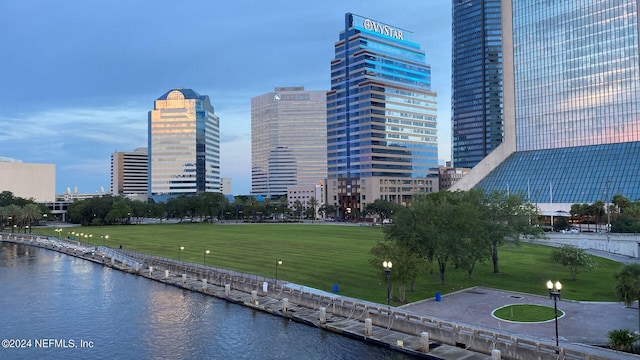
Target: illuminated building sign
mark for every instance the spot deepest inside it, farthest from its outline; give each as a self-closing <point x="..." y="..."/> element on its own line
<point x="380" y="28"/>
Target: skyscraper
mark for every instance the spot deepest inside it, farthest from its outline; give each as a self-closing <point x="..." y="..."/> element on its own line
<point x="130" y="172"/>
<point x="476" y="80"/>
<point x="288" y="140"/>
<point x="184" y="145"/>
<point x="381" y="117"/>
<point x="571" y="98"/>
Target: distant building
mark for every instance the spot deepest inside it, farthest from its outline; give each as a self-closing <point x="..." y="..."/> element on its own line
<point x="28" y="181"/>
<point x="184" y="145"/>
<point x="382" y="138"/>
<point x="476" y="81"/>
<point x="303" y="194"/>
<point x="226" y="186"/>
<point x="288" y="140"/>
<point x="450" y="175"/>
<point x="129" y="172"/>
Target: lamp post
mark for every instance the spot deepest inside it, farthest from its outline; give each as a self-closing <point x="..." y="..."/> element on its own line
<point x="204" y="262"/>
<point x="104" y="240"/>
<point x="554" y="293"/>
<point x="278" y="262"/>
<point x="180" y="253"/>
<point x="58" y="231"/>
<point x="387" y="270"/>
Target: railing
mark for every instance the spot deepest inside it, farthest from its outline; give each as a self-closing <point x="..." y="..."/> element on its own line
<point x="472" y="337"/>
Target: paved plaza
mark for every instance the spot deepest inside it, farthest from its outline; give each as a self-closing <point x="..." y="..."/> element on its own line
<point x="583" y="322"/>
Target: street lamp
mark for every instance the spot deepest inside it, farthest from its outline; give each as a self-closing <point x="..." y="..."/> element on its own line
<point x="554" y="293"/>
<point x="387" y="270"/>
<point x="206" y="252"/>
<point x="278" y="262"/>
<point x="58" y="231"/>
<point x="104" y="239"/>
<point x="180" y="252"/>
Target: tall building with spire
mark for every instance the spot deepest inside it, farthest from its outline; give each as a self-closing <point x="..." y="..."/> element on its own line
<point x="382" y="139"/>
<point x="184" y="145"/>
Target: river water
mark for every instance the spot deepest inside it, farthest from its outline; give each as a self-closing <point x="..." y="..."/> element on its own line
<point x="54" y="306"/>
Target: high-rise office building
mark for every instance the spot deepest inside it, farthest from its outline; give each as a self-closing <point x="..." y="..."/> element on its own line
<point x="571" y="98"/>
<point x="129" y="172"/>
<point x="288" y="140"/>
<point x="476" y="80"/>
<point x="184" y="145"/>
<point x="381" y="117"/>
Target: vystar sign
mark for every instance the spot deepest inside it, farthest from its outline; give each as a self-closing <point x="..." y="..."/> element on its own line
<point x="382" y="29"/>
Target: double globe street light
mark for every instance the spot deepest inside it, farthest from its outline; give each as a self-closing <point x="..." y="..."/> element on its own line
<point x="387" y="265"/>
<point x="554" y="293"/>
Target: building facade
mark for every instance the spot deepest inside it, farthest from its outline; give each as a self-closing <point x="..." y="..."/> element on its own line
<point x="308" y="196"/>
<point x="184" y="145"/>
<point x="25" y="180"/>
<point x="129" y="172"/>
<point x="571" y="98"/>
<point x="381" y="117"/>
<point x="449" y="175"/>
<point x="288" y="140"/>
<point x="476" y="80"/>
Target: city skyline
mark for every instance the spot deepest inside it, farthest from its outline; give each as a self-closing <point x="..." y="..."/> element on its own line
<point x="81" y="77"/>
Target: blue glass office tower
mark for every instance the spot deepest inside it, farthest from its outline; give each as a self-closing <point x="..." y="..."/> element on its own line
<point x="476" y="80"/>
<point x="184" y="145"/>
<point x="571" y="97"/>
<point x="381" y="117"/>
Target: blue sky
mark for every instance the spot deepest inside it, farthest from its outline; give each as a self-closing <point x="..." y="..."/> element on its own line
<point x="79" y="76"/>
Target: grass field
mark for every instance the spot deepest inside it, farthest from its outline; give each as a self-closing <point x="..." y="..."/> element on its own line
<point x="526" y="313"/>
<point x="322" y="255"/>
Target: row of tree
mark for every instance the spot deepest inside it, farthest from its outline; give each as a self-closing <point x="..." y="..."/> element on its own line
<point x="201" y="207"/>
<point x="460" y="228"/>
<point x="19" y="213"/>
<point x="622" y="214"/>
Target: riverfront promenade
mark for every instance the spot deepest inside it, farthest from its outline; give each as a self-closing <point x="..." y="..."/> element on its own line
<point x="401" y="329"/>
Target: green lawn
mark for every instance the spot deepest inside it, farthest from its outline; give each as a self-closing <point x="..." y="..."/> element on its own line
<point x="322" y="255"/>
<point x="526" y="313"/>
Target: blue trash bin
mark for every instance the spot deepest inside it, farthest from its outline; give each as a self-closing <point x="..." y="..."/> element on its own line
<point x="335" y="288"/>
<point x="438" y="296"/>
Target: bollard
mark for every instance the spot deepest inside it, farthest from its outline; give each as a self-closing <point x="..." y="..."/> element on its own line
<point x="166" y="274"/>
<point x="424" y="341"/>
<point x="323" y="315"/>
<point x="204" y="284"/>
<point x="368" y="327"/>
<point x="184" y="279"/>
<point x="254" y="297"/>
<point x="285" y="305"/>
<point x="137" y="267"/>
<point x="150" y="270"/>
<point x="227" y="289"/>
<point x="495" y="354"/>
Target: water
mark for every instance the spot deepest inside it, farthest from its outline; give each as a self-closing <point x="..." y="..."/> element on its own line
<point x="61" y="307"/>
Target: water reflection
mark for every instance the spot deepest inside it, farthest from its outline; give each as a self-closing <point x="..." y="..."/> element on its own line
<point x="50" y="295"/>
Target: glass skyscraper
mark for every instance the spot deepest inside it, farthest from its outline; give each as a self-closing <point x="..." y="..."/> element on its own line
<point x="184" y="145"/>
<point x="476" y="80"/>
<point x="288" y="140"/>
<point x="381" y="117"/>
<point x="571" y="97"/>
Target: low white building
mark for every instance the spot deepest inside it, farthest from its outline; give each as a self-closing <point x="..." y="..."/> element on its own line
<point x="29" y="181"/>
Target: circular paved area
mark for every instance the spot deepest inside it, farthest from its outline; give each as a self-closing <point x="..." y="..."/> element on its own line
<point x="584" y="322"/>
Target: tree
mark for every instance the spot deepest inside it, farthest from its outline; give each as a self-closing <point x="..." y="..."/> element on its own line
<point x="628" y="285"/>
<point x="575" y="259"/>
<point x="313" y="203"/>
<point x="382" y="208"/>
<point x="31" y="212"/>
<point x="327" y="210"/>
<point x="407" y="265"/>
<point x="506" y="217"/>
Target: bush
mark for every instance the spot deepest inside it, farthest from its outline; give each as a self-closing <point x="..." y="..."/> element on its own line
<point x="622" y="340"/>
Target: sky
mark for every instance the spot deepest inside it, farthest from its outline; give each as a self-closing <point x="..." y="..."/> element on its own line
<point x="78" y="77"/>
